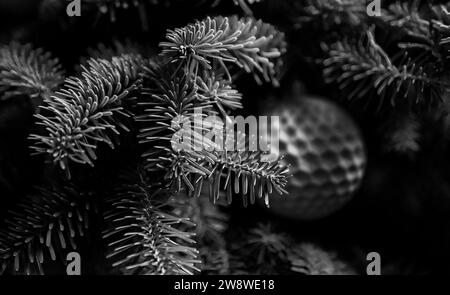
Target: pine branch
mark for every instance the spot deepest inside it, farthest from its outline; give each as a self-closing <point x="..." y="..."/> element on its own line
<point x="174" y="93"/>
<point x="265" y="242"/>
<point x="90" y="109"/>
<point x="441" y="24"/>
<point x="244" y="173"/>
<point x="329" y="13"/>
<point x="43" y="226"/>
<point x="416" y="29"/>
<point x="115" y="49"/>
<point x="407" y="16"/>
<point x="266" y="249"/>
<point x="244" y="4"/>
<point x="403" y="134"/>
<point x="217" y="91"/>
<point x="250" y="44"/>
<point x="112" y="6"/>
<point x="216" y="261"/>
<point x="171" y="98"/>
<point x="211" y="223"/>
<point x="143" y="238"/>
<point x="263" y="249"/>
<point x="365" y="69"/>
<point x="210" y="220"/>
<point x="168" y="97"/>
<point x="309" y="259"/>
<point x="424" y="29"/>
<point x="440" y="13"/>
<point x="28" y="71"/>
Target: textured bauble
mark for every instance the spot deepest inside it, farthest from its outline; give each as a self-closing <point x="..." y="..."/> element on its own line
<point x="326" y="154"/>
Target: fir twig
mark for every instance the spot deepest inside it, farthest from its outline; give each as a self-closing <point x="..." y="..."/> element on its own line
<point x="174" y="98"/>
<point x="364" y="68"/>
<point x="143" y="238"/>
<point x="209" y="219"/>
<point x="42" y="227"/>
<point x="309" y="259"/>
<point x="250" y="44"/>
<point x="89" y="110"/>
<point x="330" y="13"/>
<point x="115" y="49"/>
<point x="244" y="4"/>
<point x="211" y="223"/>
<point x="28" y="71"/>
<point x="218" y="92"/>
<point x="403" y="134"/>
<point x="420" y="31"/>
<point x="264" y="250"/>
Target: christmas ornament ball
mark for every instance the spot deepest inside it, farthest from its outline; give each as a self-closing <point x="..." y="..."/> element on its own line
<point x="327" y="158"/>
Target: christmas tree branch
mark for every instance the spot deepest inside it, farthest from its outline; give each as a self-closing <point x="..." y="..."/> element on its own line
<point x="219" y="93"/>
<point x="365" y="67"/>
<point x="169" y="105"/>
<point x="28" y="71"/>
<point x="245" y="173"/>
<point x="309" y="259"/>
<point x="330" y="13"/>
<point x="89" y="110"/>
<point x="250" y="44"/>
<point x="403" y="133"/>
<point x="42" y="226"/>
<point x="143" y="237"/>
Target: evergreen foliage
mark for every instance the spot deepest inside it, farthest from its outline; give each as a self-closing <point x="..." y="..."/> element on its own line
<point x="366" y="68"/>
<point x="143" y="238"/>
<point x="28" y="71"/>
<point x="245" y="42"/>
<point x="90" y="109"/>
<point x="42" y="227"/>
<point x="147" y="225"/>
<point x="173" y="215"/>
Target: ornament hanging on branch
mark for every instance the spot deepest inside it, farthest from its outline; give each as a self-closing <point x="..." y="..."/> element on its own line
<point x="326" y="153"/>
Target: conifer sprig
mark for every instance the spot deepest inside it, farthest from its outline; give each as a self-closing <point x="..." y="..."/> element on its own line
<point x="252" y="45"/>
<point x="211" y="223"/>
<point x="28" y="71"/>
<point x="265" y="247"/>
<point x="330" y="13"/>
<point x="244" y="4"/>
<point x="90" y="109"/>
<point x="416" y="29"/>
<point x="209" y="219"/>
<point x="219" y="92"/>
<point x="403" y="134"/>
<point x="244" y="173"/>
<point x="364" y="68"/>
<point x="309" y="259"/>
<point x="144" y="237"/>
<point x="171" y="97"/>
<point x="168" y="101"/>
<point x="42" y="227"/>
<point x="115" y="49"/>
<point x="407" y="16"/>
<point x="266" y="243"/>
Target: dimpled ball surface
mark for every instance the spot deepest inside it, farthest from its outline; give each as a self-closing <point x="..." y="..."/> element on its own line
<point x="327" y="159"/>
